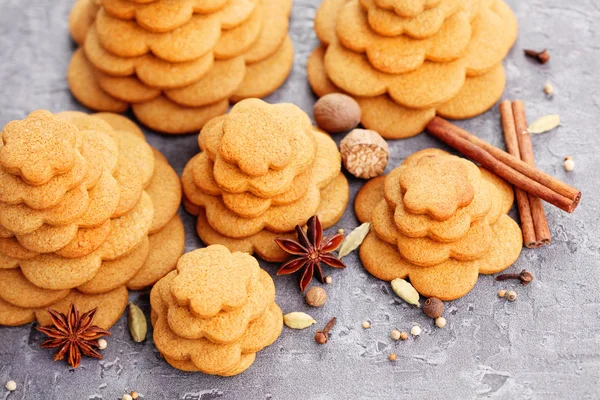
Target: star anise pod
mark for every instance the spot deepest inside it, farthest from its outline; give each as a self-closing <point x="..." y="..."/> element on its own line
<point x="73" y="334"/>
<point x="311" y="250"/>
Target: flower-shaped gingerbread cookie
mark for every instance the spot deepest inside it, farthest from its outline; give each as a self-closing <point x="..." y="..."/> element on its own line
<point x="227" y="326"/>
<point x="426" y="24"/>
<point x="402" y="54"/>
<point x="213" y="279"/>
<point x="188" y="42"/>
<point x="148" y="68"/>
<point x="494" y="32"/>
<point x="437" y="186"/>
<point x="38" y="148"/>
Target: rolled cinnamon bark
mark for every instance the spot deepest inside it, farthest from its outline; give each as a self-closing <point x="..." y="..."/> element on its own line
<point x="512" y="169"/>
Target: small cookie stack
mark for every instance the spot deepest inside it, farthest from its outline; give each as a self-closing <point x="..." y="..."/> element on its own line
<point x="439" y="220"/>
<point x="215" y="312"/>
<point x="263" y="170"/>
<point x="178" y="63"/>
<point x="87" y="211"/>
<point x="405" y="61"/>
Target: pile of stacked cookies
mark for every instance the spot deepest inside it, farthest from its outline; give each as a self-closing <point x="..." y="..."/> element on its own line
<point x="87" y="211"/>
<point x="178" y="63"/>
<point x="405" y="61"/>
<point x="263" y="170"/>
<point x="439" y="220"/>
<point x="215" y="312"/>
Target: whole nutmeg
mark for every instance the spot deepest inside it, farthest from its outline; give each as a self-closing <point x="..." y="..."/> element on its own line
<point x="336" y="112"/>
<point x="433" y="307"/>
<point x="316" y="296"/>
<point x="364" y="153"/>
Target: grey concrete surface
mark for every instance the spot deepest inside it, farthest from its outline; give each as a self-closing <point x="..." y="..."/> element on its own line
<point x="546" y="345"/>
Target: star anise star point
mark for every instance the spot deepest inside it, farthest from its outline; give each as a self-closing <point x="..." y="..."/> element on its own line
<point x="310" y="251"/>
<point x="73" y="334"/>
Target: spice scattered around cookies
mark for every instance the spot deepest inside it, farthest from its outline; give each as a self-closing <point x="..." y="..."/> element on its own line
<point x="316" y="296"/>
<point x="127" y="397"/>
<point x="364" y="153"/>
<point x="11" y="386"/>
<point x="406" y="291"/>
<point x="544" y="124"/>
<point x="328" y="279"/>
<point x="502" y="293"/>
<point x="354" y="240"/>
<point x="322" y="336"/>
<point x="403" y="335"/>
<point x="366" y="324"/>
<point x="569" y="164"/>
<point x="311" y="250"/>
<point x="440" y="322"/>
<point x="138" y="326"/>
<point x="393" y="357"/>
<point x="415" y="330"/>
<point x="102" y="344"/>
<point x="395" y="334"/>
<point x="135" y="395"/>
<point x="511" y="295"/>
<point x="298" y="320"/>
<point x="433" y="307"/>
<point x="73" y="334"/>
<point x="524" y="276"/>
<point x="548" y="89"/>
<point x="336" y="112"/>
<point x="541" y="56"/>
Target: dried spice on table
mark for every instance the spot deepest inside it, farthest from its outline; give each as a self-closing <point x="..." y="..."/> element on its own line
<point x="73" y="334"/>
<point x="311" y="249"/>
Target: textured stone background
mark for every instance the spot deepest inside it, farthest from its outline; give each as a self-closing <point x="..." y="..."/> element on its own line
<point x="544" y="345"/>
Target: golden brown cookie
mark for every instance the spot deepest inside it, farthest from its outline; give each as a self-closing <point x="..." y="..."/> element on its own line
<point x="149" y="69"/>
<point x="214" y="312"/>
<point x="446" y="268"/>
<point x="402" y="54"/>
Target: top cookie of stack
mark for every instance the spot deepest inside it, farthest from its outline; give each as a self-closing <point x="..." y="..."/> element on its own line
<point x="406" y="60"/>
<point x="439" y="220"/>
<point x="263" y="170"/>
<point x="87" y="211"/>
<point x="178" y="63"/>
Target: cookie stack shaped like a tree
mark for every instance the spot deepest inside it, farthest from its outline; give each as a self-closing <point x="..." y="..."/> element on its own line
<point x="405" y="61"/>
<point x="215" y="312"/>
<point x="87" y="211"/>
<point x="440" y="221"/>
<point x="178" y="63"/>
<point x="263" y="170"/>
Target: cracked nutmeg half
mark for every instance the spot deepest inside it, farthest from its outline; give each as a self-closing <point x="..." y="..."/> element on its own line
<point x="310" y="251"/>
<point x="73" y="334"/>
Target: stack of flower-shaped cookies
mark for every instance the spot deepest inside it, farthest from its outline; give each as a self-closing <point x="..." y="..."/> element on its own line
<point x="178" y="63"/>
<point x="405" y="61"/>
<point x="263" y="170"/>
<point x="87" y="211"/>
<point x="215" y="312"/>
<point x="440" y="221"/>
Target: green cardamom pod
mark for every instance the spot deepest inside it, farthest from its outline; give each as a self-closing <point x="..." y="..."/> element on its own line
<point x="138" y="327"/>
<point x="354" y="239"/>
<point x="298" y="320"/>
<point x="406" y="291"/>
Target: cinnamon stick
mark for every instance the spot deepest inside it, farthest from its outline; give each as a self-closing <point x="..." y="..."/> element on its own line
<point x="540" y="222"/>
<point x="512" y="169"/>
<point x="512" y="145"/>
